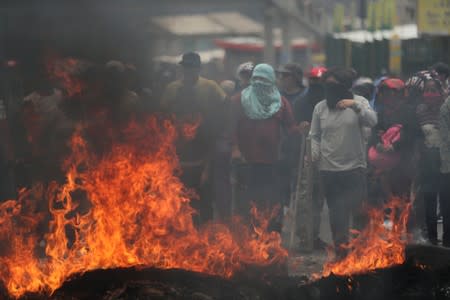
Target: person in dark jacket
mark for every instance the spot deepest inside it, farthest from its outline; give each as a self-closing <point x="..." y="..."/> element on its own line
<point x="393" y="175"/>
<point x="303" y="113"/>
<point x="290" y="83"/>
<point x="314" y="94"/>
<point x="431" y="97"/>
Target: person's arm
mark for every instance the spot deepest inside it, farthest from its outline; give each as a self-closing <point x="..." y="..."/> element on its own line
<point x="375" y="137"/>
<point x="367" y="116"/>
<point x="169" y="95"/>
<point x="288" y="120"/>
<point x="407" y="133"/>
<point x="217" y="119"/>
<point x="235" y="115"/>
<point x="301" y="112"/>
<point x="315" y="134"/>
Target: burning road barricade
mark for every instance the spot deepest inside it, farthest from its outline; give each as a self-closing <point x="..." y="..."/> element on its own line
<point x="121" y="218"/>
<point x="139" y="216"/>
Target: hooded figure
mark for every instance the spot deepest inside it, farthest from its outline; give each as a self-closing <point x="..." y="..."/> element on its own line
<point x="259" y="116"/>
<point x="391" y="145"/>
<point x="261" y="99"/>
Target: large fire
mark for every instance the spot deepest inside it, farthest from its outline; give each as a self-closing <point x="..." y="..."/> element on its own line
<point x="123" y="208"/>
<point x="377" y="246"/>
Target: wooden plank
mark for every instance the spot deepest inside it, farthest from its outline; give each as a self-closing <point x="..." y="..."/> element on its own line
<point x="295" y="196"/>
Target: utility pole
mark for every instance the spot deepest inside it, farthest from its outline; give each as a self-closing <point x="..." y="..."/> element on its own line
<point x="286" y="49"/>
<point x="269" y="49"/>
<point x="363" y="13"/>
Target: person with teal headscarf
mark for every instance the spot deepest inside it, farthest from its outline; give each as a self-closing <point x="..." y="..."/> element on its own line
<point x="261" y="99"/>
<point x="259" y="116"/>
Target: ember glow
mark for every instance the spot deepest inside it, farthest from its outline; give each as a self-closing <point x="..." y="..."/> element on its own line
<point x="189" y="129"/>
<point x="125" y="208"/>
<point x="376" y="246"/>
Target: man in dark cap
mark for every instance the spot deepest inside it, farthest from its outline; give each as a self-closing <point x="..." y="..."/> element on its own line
<point x="303" y="110"/>
<point x="196" y="100"/>
<point x="290" y="82"/>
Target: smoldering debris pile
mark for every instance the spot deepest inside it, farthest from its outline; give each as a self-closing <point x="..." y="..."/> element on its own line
<point x="411" y="280"/>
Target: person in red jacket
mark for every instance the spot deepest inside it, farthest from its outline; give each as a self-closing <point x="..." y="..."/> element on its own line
<point x="259" y="113"/>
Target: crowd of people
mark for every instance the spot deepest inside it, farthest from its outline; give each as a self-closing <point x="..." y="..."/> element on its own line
<point x="370" y="140"/>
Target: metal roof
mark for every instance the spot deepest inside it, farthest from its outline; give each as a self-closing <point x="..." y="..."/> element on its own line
<point x="256" y="44"/>
<point x="226" y="23"/>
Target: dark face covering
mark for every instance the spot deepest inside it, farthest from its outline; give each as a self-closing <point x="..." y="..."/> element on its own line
<point x="335" y="92"/>
<point x="315" y="93"/>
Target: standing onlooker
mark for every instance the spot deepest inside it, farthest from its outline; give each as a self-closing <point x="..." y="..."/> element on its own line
<point x="432" y="97"/>
<point x="445" y="170"/>
<point x="194" y="99"/>
<point x="259" y="113"/>
<point x="314" y="94"/>
<point x="303" y="113"/>
<point x="243" y="76"/>
<point x="221" y="192"/>
<point x="391" y="143"/>
<point x="338" y="144"/>
<point x="290" y="82"/>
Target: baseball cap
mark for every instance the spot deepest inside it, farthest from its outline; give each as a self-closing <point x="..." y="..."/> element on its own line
<point x="393" y="83"/>
<point x="317" y="72"/>
<point x="293" y="69"/>
<point x="191" y="59"/>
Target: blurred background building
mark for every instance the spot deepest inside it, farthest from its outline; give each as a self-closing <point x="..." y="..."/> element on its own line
<point x="233" y="31"/>
<point x="389" y="36"/>
<point x="372" y="36"/>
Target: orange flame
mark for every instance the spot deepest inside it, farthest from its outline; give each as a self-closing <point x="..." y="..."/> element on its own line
<point x="138" y="215"/>
<point x="376" y="246"/>
<point x="189" y="127"/>
<point x="63" y="70"/>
